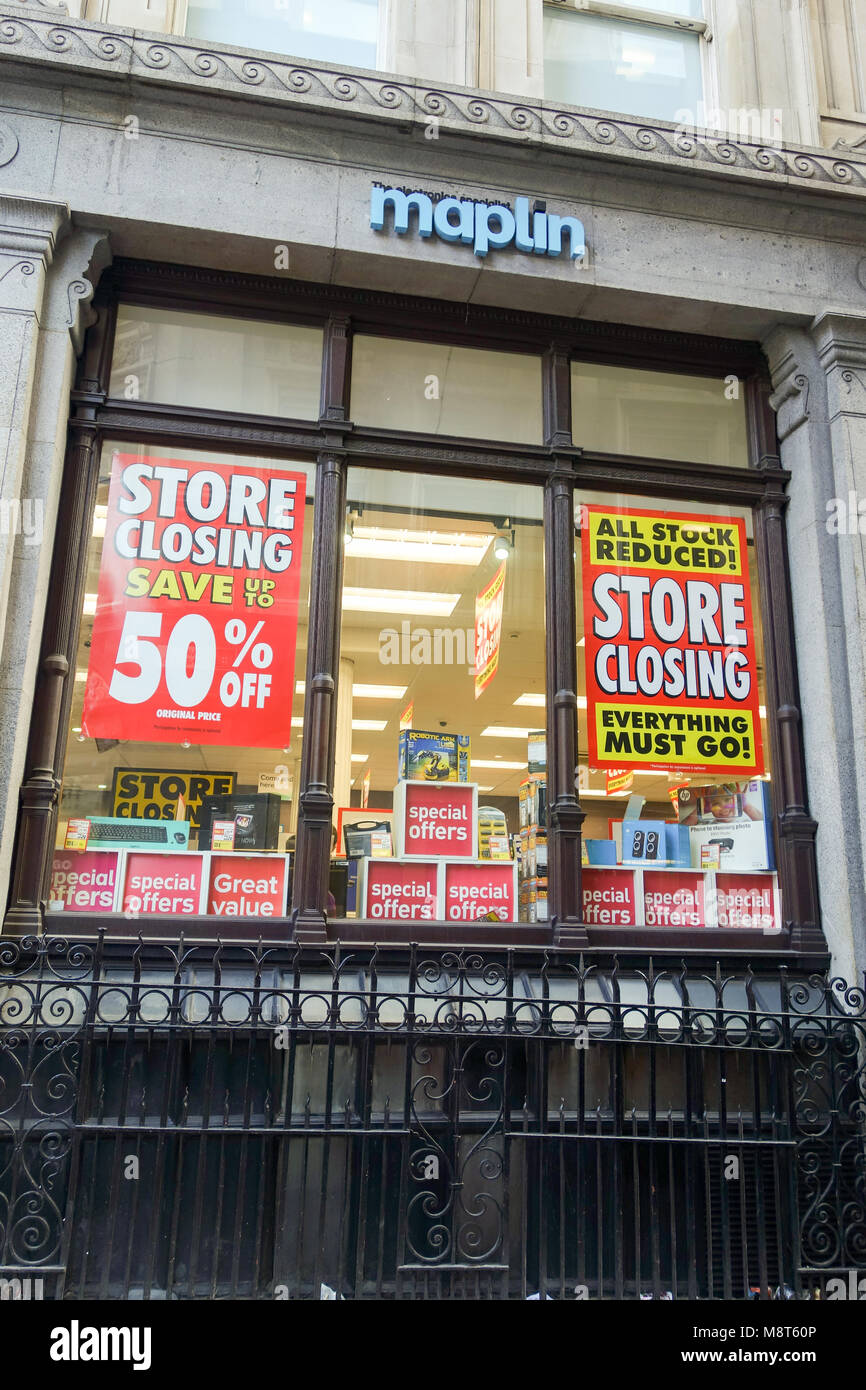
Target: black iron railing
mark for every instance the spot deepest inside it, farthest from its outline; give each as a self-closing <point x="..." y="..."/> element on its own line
<point x="231" y="1122"/>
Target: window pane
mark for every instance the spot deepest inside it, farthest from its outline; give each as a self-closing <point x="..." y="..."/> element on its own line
<point x="336" y="31"/>
<point x="716" y="865"/>
<point x="617" y="65"/>
<point x="438" y="389"/>
<point x="421" y="562"/>
<point x="667" y="415"/>
<point x="145" y="801"/>
<point x="217" y="363"/>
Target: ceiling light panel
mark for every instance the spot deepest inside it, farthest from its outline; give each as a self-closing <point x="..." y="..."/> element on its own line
<point x="406" y="602"/>
<point x="417" y="547"/>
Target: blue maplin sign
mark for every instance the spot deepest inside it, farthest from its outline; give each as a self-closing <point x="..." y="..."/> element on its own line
<point x="483" y="226"/>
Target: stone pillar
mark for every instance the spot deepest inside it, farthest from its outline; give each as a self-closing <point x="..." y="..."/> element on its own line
<point x="29" y="233"/>
<point x="819" y="379"/>
<point x="434" y="43"/>
<point x="511" y="47"/>
<point x="762" y="71"/>
<point x="51" y="269"/>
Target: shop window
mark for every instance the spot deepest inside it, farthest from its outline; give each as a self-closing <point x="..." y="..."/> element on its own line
<point x="217" y="363"/>
<point x="664" y="415"/>
<point x="438" y="389"/>
<point x="441" y="698"/>
<point x="648" y="66"/>
<point x="674" y="757"/>
<point x="183" y="755"/>
<point x="331" y="31"/>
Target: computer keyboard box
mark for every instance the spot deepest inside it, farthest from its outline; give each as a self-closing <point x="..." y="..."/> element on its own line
<point x="120" y="832"/>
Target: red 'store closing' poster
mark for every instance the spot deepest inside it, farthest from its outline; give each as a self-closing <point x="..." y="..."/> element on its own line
<point x="197" y="608"/>
<point x="671" y="660"/>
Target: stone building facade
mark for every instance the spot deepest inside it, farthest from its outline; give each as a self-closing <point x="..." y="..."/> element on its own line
<point x="123" y="140"/>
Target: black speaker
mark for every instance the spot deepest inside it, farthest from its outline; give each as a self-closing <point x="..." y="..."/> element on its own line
<point x="256" y="818"/>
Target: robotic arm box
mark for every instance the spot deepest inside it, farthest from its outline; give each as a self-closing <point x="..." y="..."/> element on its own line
<point x="428" y="757"/>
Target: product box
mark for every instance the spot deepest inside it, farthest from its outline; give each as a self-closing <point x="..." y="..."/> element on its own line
<point x="123" y="832"/>
<point x="735" y="816"/>
<point x="533" y="900"/>
<point x="711" y="857"/>
<point x="429" y="757"/>
<point x="644" y="842"/>
<point x="538" y="902"/>
<point x="533" y="801"/>
<point x="533" y="856"/>
<point x="524" y="901"/>
<point x="536" y="753"/>
<point x="256" y="818"/>
<point x="600" y="853"/>
<point x="222" y="834"/>
<point x="493" y="841"/>
<point x="677" y="846"/>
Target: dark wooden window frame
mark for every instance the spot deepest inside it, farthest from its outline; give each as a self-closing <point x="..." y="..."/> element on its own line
<point x="335" y="442"/>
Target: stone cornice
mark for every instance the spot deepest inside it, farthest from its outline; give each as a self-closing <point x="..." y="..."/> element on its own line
<point x="31" y="226"/>
<point x="37" y="34"/>
<point x="840" y="339"/>
<point x="790" y="357"/>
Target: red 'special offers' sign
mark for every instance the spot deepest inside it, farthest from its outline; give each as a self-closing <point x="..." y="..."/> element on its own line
<point x="479" y="891"/>
<point x="197" y="608"/>
<point x="162" y="883"/>
<point x="746" y="900"/>
<point x="608" y="897"/>
<point x="83" y="882"/>
<point x="438" y="820"/>
<point x="405" y="891"/>
<point x="673" y="900"/>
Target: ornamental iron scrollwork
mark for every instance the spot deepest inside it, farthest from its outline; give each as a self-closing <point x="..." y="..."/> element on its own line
<point x="461" y="1100"/>
<point x="456" y="1212"/>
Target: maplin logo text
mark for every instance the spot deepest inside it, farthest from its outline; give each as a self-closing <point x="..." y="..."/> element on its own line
<point x="77" y="1343"/>
<point x="483" y="226"/>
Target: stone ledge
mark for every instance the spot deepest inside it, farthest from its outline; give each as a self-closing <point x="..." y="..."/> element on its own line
<point x="37" y="34"/>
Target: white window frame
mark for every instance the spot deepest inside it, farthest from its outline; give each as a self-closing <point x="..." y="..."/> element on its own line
<point x="660" y="19"/>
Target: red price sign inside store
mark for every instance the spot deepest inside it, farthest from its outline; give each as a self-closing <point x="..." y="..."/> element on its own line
<point x="197" y="608"/>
